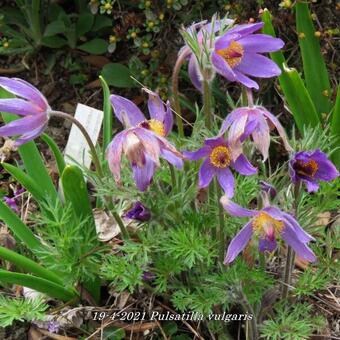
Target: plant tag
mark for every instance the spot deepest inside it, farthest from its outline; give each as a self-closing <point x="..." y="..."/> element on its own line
<point x="77" y="149"/>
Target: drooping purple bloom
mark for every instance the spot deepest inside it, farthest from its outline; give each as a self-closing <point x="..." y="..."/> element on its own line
<point x="143" y="142"/>
<point x="268" y="188"/>
<point x="30" y="103"/>
<point x="138" y="212"/>
<point x="267" y="224"/>
<point x="219" y="157"/>
<point x="237" y="54"/>
<point x="203" y="29"/>
<point x="245" y="121"/>
<point x="310" y="167"/>
<point x="11" y="202"/>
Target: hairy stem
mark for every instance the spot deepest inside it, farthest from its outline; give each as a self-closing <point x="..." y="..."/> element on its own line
<point x="175" y="94"/>
<point x="86" y="136"/>
<point x="173" y="176"/>
<point x="221" y="221"/>
<point x="246" y="306"/>
<point x="207" y="108"/>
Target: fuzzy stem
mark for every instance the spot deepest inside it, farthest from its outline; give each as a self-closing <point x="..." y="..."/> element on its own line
<point x="249" y="309"/>
<point x="173" y="176"/>
<point x="221" y="221"/>
<point x="177" y="106"/>
<point x="207" y="108"/>
<point x="250" y="98"/>
<point x="121" y="225"/>
<point x="86" y="136"/>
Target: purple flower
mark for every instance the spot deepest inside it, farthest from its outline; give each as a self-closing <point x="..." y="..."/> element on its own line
<point x="138" y="212"/>
<point x="218" y="158"/>
<point x="53" y="326"/>
<point x="11" y="202"/>
<point x="31" y="104"/>
<point x="309" y="167"/>
<point x="245" y="121"/>
<point x="203" y="30"/>
<point x="267" y="224"/>
<point x="268" y="188"/>
<point x="143" y="141"/>
<point x="237" y="54"/>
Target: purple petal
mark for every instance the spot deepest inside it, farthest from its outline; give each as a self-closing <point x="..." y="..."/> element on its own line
<point x="239" y="242"/>
<point x="126" y="111"/>
<point x="155" y="106"/>
<point x="243" y="166"/>
<point x="238" y="127"/>
<point x="143" y="175"/>
<point x="216" y="141"/>
<point x="194" y="73"/>
<point x="172" y="158"/>
<point x="206" y="173"/>
<point x="114" y="154"/>
<point x="196" y="155"/>
<point x="25" y="90"/>
<point x="23" y="125"/>
<point x="246" y="81"/>
<point x="311" y="185"/>
<point x="19" y="107"/>
<point x="300" y="248"/>
<point x="326" y="169"/>
<point x="266" y="244"/>
<point x="278" y="127"/>
<point x="234" y="209"/>
<point x="251" y="125"/>
<point x="257" y="65"/>
<point x="300" y="233"/>
<point x="150" y="143"/>
<point x="260" y="43"/>
<point x="261" y="137"/>
<point x="225" y="40"/>
<point x="227" y="181"/>
<point x="138" y="212"/>
<point x="222" y="67"/>
<point x="246" y="28"/>
<point x="232" y="116"/>
<point x="30" y="135"/>
<point x="168" y="119"/>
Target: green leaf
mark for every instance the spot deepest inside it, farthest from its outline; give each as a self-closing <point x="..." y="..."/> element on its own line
<point x="59" y="158"/>
<point x="41" y="285"/>
<point x="28" y="265"/>
<point x="55" y="27"/>
<point x="75" y="191"/>
<point x="95" y="46"/>
<point x="107" y="109"/>
<point x="101" y="22"/>
<point x="26" y="181"/>
<point x="314" y="67"/>
<point x="54" y="42"/>
<point x="335" y="129"/>
<point x="19" y="229"/>
<point x="295" y="92"/>
<point x="117" y="75"/>
<point x="32" y="159"/>
<point x="84" y="23"/>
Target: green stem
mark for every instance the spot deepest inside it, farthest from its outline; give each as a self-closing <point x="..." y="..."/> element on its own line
<point x="221" y="221"/>
<point x="207" y="108"/>
<point x="121" y="225"/>
<point x="93" y="150"/>
<point x="173" y="176"/>
<point x="249" y="309"/>
<point x="176" y="104"/>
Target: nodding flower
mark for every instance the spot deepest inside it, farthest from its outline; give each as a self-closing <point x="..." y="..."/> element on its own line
<point x="253" y="121"/>
<point x="238" y="54"/>
<point x="30" y="103"/>
<point x="267" y="224"/>
<point x="219" y="157"/>
<point x="310" y="167"/>
<point x="143" y="141"/>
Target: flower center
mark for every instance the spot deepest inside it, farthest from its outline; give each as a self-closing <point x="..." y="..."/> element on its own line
<point x="155" y="126"/>
<point x="306" y="168"/>
<point x="233" y="54"/>
<point x="220" y="157"/>
<point x="266" y="226"/>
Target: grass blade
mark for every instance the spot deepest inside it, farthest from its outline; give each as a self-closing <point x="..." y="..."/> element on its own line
<point x="41" y="285"/>
<point x="295" y="92"/>
<point x="28" y="265"/>
<point x="107" y="122"/>
<point x="59" y="158"/>
<point x="335" y="129"/>
<point x="19" y="229"/>
<point x="314" y="67"/>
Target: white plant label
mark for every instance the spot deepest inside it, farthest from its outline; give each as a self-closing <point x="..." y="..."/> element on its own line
<point x="77" y="149"/>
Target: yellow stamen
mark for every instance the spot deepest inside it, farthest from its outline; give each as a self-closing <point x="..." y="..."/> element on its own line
<point x="155" y="126"/>
<point x="307" y="168"/>
<point x="266" y="226"/>
<point x="233" y="54"/>
<point x="220" y="157"/>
